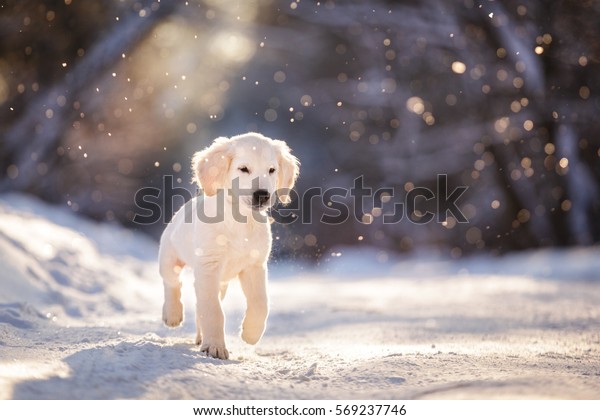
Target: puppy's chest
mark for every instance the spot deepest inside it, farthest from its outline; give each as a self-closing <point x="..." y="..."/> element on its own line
<point x="249" y="246"/>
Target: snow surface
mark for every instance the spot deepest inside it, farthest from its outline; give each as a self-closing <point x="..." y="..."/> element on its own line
<point x="80" y="318"/>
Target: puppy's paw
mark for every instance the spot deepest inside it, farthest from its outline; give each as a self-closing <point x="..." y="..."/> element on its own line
<point x="173" y="313"/>
<point x="218" y="351"/>
<point x="252" y="335"/>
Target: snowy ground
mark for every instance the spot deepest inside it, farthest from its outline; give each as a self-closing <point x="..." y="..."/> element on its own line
<point x="80" y="308"/>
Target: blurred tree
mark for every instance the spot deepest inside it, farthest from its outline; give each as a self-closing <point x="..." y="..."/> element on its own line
<point x="500" y="96"/>
<point x="494" y="94"/>
<point x="55" y="54"/>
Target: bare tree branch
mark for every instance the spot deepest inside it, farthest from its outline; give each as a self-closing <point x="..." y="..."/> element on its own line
<point x="23" y="143"/>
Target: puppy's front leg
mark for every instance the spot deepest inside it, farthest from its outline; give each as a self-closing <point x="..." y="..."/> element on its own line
<point x="210" y="320"/>
<point x="254" y="285"/>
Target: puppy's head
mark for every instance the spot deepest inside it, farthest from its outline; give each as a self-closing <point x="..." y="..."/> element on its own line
<point x="256" y="169"/>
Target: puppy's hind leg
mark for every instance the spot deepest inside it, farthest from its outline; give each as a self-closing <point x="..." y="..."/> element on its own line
<point x="170" y="267"/>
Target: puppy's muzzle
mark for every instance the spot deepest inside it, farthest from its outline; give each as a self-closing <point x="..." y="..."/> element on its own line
<point x="260" y="198"/>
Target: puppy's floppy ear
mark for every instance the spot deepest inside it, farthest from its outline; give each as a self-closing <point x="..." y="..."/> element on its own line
<point x="210" y="165"/>
<point x="289" y="168"/>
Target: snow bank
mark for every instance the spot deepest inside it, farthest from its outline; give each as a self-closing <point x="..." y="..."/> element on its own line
<point x="69" y="266"/>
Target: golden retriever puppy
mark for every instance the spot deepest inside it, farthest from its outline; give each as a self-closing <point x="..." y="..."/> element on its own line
<point x="225" y="234"/>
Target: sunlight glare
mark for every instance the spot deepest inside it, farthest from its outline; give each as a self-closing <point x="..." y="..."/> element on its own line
<point x="233" y="47"/>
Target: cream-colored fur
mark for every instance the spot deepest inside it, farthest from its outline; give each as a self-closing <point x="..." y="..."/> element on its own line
<point x="226" y="247"/>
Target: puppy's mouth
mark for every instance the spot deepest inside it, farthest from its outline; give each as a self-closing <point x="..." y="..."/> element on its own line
<point x="255" y="206"/>
<point x="260" y="207"/>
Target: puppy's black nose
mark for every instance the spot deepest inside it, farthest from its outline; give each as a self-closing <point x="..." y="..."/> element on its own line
<point x="260" y="197"/>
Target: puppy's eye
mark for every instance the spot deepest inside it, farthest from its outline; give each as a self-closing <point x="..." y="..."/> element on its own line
<point x="245" y="169"/>
<point x="272" y="170"/>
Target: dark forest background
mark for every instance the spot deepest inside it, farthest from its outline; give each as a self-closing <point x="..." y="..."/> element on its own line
<point x="101" y="98"/>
